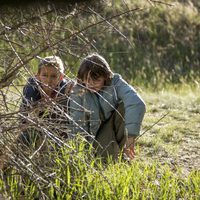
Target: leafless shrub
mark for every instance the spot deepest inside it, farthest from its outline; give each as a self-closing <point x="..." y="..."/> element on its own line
<point x="65" y="30"/>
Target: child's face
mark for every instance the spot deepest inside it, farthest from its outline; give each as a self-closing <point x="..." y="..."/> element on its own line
<point x="94" y="85"/>
<point x="49" y="77"/>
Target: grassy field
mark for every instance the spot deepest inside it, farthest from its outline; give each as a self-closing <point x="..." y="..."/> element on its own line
<point x="176" y="138"/>
<point x="155" y="45"/>
<point x="166" y="165"/>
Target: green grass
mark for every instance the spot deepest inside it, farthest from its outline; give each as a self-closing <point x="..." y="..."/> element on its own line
<point x="135" y="180"/>
<point x="166" y="164"/>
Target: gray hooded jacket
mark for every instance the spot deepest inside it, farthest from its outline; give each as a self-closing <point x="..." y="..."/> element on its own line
<point x="88" y="109"/>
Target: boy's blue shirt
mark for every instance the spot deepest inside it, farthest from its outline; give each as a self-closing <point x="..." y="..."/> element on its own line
<point x="87" y="108"/>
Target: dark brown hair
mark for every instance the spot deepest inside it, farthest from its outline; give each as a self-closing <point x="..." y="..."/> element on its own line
<point x="95" y="66"/>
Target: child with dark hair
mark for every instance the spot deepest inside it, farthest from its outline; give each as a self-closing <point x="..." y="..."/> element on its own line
<point x="106" y="107"/>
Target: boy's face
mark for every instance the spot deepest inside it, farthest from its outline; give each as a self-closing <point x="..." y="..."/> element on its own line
<point x="49" y="77"/>
<point x="94" y="85"/>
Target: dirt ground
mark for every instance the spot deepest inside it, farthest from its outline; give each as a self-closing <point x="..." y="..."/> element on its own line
<point x="176" y="138"/>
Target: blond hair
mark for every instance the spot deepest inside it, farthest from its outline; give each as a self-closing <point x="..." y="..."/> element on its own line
<point x="53" y="61"/>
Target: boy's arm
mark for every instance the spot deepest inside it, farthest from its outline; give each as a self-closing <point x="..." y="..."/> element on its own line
<point x="78" y="113"/>
<point x="134" y="107"/>
<point x="30" y="97"/>
<point x="25" y="103"/>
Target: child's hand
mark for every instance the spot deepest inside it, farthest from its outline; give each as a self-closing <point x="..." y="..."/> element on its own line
<point x="129" y="148"/>
<point x="130" y="152"/>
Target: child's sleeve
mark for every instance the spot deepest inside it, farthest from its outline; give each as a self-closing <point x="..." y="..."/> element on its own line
<point x="26" y="98"/>
<point x="79" y="115"/>
<point x="133" y="104"/>
<point x="29" y="97"/>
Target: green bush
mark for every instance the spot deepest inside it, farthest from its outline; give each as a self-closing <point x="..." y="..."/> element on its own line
<point x="164" y="44"/>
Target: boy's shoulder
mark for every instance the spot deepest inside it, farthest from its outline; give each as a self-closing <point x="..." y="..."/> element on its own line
<point x="63" y="83"/>
<point x="116" y="78"/>
<point x="32" y="81"/>
<point x="31" y="84"/>
<point x="77" y="87"/>
<point x="79" y="90"/>
<point x="66" y="86"/>
<point x="30" y="90"/>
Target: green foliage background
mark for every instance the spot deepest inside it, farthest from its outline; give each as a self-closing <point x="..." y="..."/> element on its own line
<point x="154" y="44"/>
<point x="166" y="44"/>
<point x="162" y="42"/>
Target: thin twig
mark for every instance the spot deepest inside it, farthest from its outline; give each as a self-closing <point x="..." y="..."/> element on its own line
<point x="4" y="100"/>
<point x="149" y="128"/>
<point x="160" y="2"/>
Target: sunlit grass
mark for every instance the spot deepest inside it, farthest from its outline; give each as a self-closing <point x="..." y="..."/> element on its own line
<point x="121" y="180"/>
<point x="156" y="173"/>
